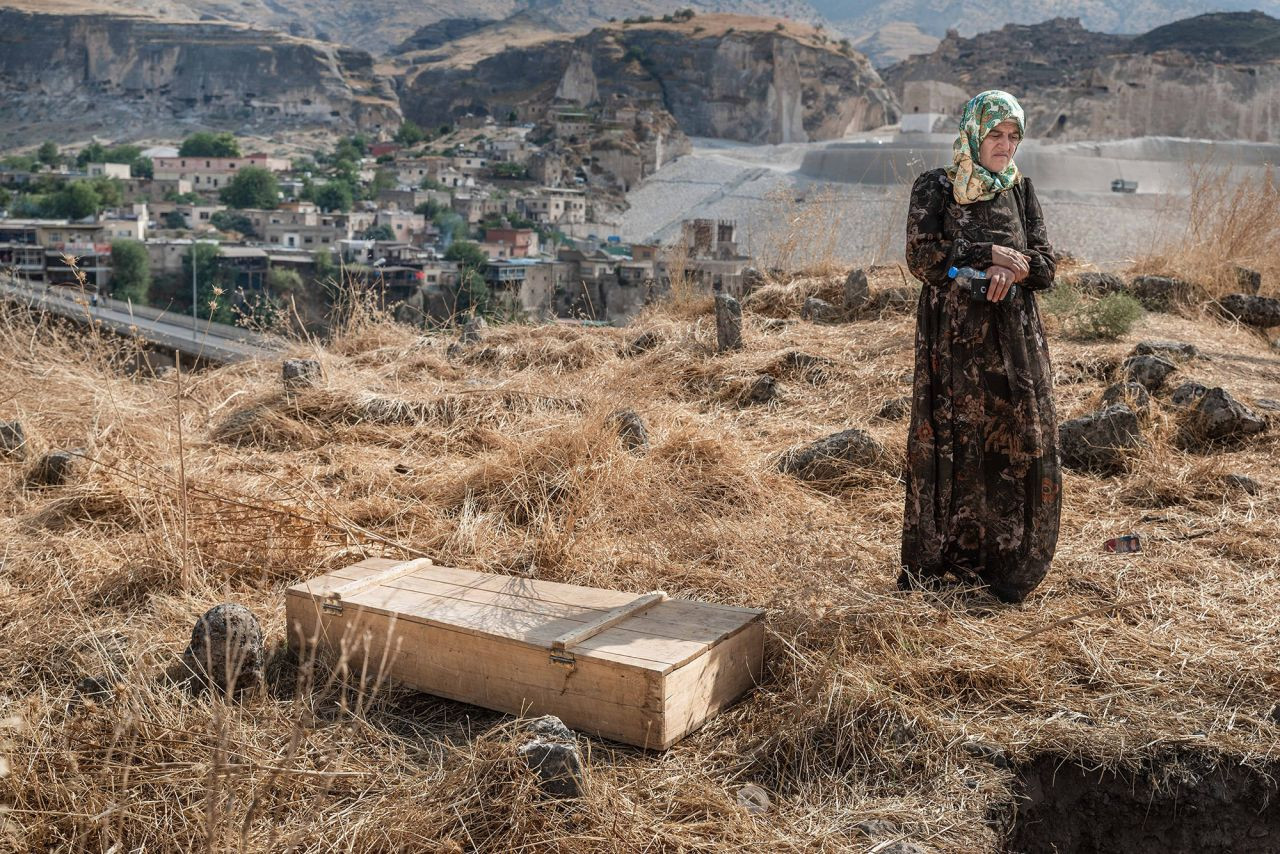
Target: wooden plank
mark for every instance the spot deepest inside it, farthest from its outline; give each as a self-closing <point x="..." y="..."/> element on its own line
<point x="706" y="685"/>
<point x="607" y="620"/>
<point x="379" y="577"/>
<point x="621" y="703"/>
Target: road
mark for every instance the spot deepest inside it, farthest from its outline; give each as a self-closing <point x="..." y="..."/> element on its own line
<point x="212" y="342"/>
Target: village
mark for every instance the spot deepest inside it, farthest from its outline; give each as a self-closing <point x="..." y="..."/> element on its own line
<point x="477" y="218"/>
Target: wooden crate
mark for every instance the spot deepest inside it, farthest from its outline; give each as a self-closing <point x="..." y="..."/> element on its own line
<point x="644" y="670"/>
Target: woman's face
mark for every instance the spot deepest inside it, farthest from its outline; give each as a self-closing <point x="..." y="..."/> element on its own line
<point x="998" y="146"/>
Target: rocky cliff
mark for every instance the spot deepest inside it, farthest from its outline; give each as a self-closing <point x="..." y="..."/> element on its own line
<point x="81" y="73"/>
<point x="1077" y="84"/>
<point x="750" y="79"/>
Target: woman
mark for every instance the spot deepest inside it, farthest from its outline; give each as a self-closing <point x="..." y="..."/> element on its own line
<point x="984" y="486"/>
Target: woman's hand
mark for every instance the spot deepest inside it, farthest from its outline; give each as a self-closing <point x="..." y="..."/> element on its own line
<point x="1011" y="259"/>
<point x="1001" y="278"/>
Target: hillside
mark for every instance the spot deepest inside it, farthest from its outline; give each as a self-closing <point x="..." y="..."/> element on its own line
<point x="1079" y="84"/>
<point x="731" y="76"/>
<point x="913" y="723"/>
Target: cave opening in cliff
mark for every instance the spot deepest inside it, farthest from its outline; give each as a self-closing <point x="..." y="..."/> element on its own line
<point x="1219" y="808"/>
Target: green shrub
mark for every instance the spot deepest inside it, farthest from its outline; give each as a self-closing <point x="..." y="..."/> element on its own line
<point x="1086" y="319"/>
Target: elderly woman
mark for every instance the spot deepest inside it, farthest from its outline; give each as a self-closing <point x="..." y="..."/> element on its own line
<point x="984" y="485"/>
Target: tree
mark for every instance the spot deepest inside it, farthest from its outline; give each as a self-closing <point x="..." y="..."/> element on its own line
<point x="334" y="196"/>
<point x="472" y="294"/>
<point x="76" y="200"/>
<point x="467" y="254"/>
<point x="208" y="144"/>
<point x="253" y="187"/>
<point x="379" y="232"/>
<point x="509" y="170"/>
<point x="282" y="280"/>
<point x="383" y="179"/>
<point x="228" y="221"/>
<point x="430" y="208"/>
<point x="450" y="225"/>
<point x="410" y="134"/>
<point x="48" y="153"/>
<point x="212" y="299"/>
<point x="130" y="271"/>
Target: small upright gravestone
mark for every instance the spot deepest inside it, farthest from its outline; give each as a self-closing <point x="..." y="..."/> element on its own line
<point x="226" y="651"/>
<point x="300" y="373"/>
<point x="728" y="323"/>
<point x="54" y="468"/>
<point x="1250" y="281"/>
<point x="818" y="310"/>
<point x="631" y="430"/>
<point x="13" y="440"/>
<point x="857" y="293"/>
<point x="552" y="753"/>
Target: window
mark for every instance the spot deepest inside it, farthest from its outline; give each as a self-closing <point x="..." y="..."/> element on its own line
<point x="307" y="240"/>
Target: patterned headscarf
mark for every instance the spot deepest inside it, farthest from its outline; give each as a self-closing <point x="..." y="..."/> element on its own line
<point x="970" y="182"/>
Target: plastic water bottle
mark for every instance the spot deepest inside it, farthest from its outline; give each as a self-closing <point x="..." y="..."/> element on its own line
<point x="966" y="273"/>
<point x="978" y="283"/>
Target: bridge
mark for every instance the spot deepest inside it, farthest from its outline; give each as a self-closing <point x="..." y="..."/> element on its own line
<point x="201" y="340"/>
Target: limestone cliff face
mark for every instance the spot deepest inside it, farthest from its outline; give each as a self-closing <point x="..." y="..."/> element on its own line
<point x="1075" y="84"/>
<point x="75" y="71"/>
<point x="751" y="85"/>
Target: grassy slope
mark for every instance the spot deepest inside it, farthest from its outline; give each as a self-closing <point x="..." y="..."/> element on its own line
<point x="219" y="489"/>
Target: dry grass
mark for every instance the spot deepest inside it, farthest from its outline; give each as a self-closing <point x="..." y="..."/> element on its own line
<point x="1230" y="221"/>
<point x="216" y="487"/>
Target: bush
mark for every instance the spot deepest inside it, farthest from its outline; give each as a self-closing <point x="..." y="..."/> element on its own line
<point x="252" y="187"/>
<point x="207" y="144"/>
<point x="1084" y="319"/>
<point x="130" y="271"/>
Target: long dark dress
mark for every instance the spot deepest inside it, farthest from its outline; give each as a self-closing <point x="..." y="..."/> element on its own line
<point x="984" y="485"/>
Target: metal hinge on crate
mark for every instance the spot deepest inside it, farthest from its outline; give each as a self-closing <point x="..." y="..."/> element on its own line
<point x="560" y="653"/>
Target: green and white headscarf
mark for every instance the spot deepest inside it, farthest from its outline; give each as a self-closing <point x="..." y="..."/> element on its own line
<point x="970" y="182"/>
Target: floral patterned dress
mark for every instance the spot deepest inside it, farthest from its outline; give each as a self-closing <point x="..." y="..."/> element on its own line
<point x="984" y="484"/>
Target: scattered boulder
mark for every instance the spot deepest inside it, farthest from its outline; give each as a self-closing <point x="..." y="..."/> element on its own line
<point x="728" y="323"/>
<point x="761" y="388"/>
<point x="55" y="468"/>
<point x="1267" y="403"/>
<point x="226" y="651"/>
<point x="642" y="343"/>
<point x="1132" y="394"/>
<point x="993" y="753"/>
<point x="1101" y="441"/>
<point x="877" y="828"/>
<point x="773" y="324"/>
<point x="1167" y="349"/>
<point x="1188" y="394"/>
<point x="1263" y="312"/>
<point x="631" y="430"/>
<point x="798" y="361"/>
<point x="300" y="373"/>
<point x="894" y="409"/>
<point x="553" y="754"/>
<point x="1249" y="281"/>
<point x="752" y="278"/>
<point x="830" y="459"/>
<point x="1161" y="293"/>
<point x="1242" y="483"/>
<point x="473" y="330"/>
<point x="92" y="691"/>
<point x="857" y="293"/>
<point x="902" y="848"/>
<point x="13" y="440"/>
<point x="898" y="299"/>
<point x="818" y="310"/>
<point x="1096" y="283"/>
<point x="1218" y="417"/>
<point x="1149" y="371"/>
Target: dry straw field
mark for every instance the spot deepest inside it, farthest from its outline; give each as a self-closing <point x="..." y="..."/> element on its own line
<point x="883" y="718"/>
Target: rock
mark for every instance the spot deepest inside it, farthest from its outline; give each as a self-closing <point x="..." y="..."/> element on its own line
<point x="559" y="767"/>
<point x="728" y="323"/>
<point x="300" y="373"/>
<point x="1188" y="394"/>
<point x="894" y="300"/>
<point x="631" y="430"/>
<point x="1263" y="312"/>
<point x="226" y="651"/>
<point x="55" y="468"/>
<point x="1275" y="714"/>
<point x="92" y="691"/>
<point x="1101" y="441"/>
<point x="1242" y="483"/>
<point x="1132" y="394"/>
<point x="1168" y="349"/>
<point x="798" y="360"/>
<point x="473" y="330"/>
<point x="1249" y="281"/>
<point x="1161" y="293"/>
<point x="902" y="848"/>
<point x="819" y="311"/>
<point x="1150" y="371"/>
<point x="773" y="324"/>
<point x="13" y="440"/>
<point x="642" y="343"/>
<point x="752" y="279"/>
<point x="1096" y="283"/>
<point x="761" y="389"/>
<point x="877" y="828"/>
<point x="993" y="753"/>
<point x="894" y="409"/>
<point x="1218" y="416"/>
<point x="830" y="459"/>
<point x="549" y="728"/>
<point x="1267" y="403"/>
<point x="857" y="293"/>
